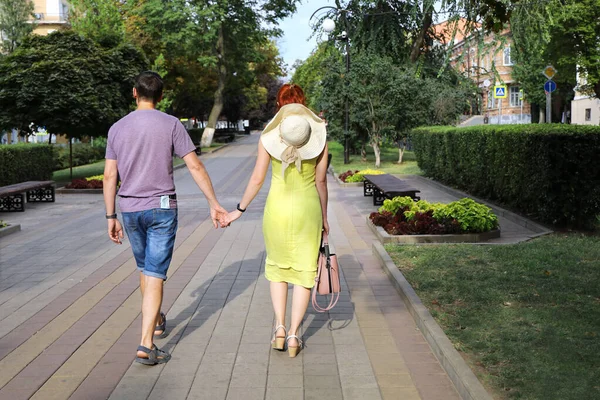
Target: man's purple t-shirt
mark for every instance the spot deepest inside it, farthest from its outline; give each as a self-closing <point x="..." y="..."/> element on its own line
<point x="143" y="143"/>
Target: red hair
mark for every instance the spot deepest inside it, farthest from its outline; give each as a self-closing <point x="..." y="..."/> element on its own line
<point x="290" y="93"/>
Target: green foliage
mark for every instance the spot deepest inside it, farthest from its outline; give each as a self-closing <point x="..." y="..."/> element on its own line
<point x="14" y="23"/>
<point x="25" y="162"/>
<point x="67" y="84"/>
<point x="83" y="154"/>
<point x="549" y="172"/>
<point x="563" y="33"/>
<point x="360" y="175"/>
<point x="308" y="74"/>
<point x="472" y="216"/>
<point x="100" y="20"/>
<point x="396" y="204"/>
<point x="3" y="224"/>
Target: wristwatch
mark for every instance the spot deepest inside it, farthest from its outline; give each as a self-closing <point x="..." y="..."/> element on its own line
<point x="112" y="216"/>
<point x="240" y="209"/>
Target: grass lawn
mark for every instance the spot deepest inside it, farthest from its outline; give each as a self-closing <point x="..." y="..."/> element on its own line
<point x="63" y="176"/>
<point x="212" y="147"/>
<point x="526" y="317"/>
<point x="389" y="158"/>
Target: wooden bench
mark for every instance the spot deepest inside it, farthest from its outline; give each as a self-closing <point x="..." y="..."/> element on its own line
<point x="224" y="136"/>
<point x="386" y="186"/>
<point x="12" y="196"/>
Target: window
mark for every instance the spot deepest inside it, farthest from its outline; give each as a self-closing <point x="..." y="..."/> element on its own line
<point x="588" y="114"/>
<point x="507" y="58"/>
<point x="491" y="103"/>
<point x="515" y="96"/>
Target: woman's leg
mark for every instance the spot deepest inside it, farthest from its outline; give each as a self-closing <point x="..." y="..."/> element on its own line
<point x="279" y="291"/>
<point x="299" y="305"/>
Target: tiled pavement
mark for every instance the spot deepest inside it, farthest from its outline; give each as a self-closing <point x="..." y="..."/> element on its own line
<point x="69" y="309"/>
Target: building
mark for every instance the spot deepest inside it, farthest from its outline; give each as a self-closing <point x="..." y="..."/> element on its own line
<point x="585" y="109"/>
<point x="50" y="15"/>
<point x="488" y="62"/>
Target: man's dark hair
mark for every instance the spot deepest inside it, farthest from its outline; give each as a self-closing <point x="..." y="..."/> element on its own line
<point x="149" y="86"/>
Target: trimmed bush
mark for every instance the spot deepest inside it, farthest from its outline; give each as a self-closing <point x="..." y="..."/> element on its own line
<point x="360" y="175"/>
<point x="25" y="162"/>
<point x="550" y="172"/>
<point x="83" y="154"/>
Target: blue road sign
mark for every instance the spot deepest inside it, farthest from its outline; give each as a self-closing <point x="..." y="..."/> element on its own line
<point x="500" y="91"/>
<point x="550" y="86"/>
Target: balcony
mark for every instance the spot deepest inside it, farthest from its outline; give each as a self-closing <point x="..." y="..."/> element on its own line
<point x="43" y="18"/>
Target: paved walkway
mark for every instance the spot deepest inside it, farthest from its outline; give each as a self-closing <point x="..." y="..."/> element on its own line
<point x="70" y="308"/>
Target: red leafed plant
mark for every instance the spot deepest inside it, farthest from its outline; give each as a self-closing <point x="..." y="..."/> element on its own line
<point x="423" y="223"/>
<point x="343" y="176"/>
<point x="85" y="184"/>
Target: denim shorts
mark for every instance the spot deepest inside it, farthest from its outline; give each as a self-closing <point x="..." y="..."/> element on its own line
<point x="152" y="237"/>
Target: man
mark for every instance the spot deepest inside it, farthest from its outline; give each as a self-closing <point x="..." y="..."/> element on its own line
<point x="140" y="151"/>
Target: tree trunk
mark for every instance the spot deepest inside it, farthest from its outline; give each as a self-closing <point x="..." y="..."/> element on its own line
<point x="377" y="153"/>
<point x="401" y="149"/>
<point x="215" y="112"/>
<point x="363" y="152"/>
<point x="49" y="138"/>
<point x="9" y="137"/>
<point x="420" y="39"/>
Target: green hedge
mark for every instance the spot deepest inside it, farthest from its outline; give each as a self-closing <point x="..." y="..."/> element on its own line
<point x="549" y="172"/>
<point x="25" y="162"/>
<point x="83" y="153"/>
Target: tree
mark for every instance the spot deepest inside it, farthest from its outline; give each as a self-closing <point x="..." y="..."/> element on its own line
<point x="15" y="25"/>
<point x="101" y="20"/>
<point x="67" y="84"/>
<point x="562" y="33"/>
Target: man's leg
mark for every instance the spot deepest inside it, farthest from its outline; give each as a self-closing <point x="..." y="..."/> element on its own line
<point x="151" y="303"/>
<point x="158" y="317"/>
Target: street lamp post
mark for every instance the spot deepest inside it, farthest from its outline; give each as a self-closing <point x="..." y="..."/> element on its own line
<point x="329" y="26"/>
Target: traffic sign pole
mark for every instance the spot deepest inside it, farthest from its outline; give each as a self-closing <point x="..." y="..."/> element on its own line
<point x="548" y="107"/>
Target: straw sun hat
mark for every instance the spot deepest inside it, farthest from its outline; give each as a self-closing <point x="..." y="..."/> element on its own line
<point x="293" y="135"/>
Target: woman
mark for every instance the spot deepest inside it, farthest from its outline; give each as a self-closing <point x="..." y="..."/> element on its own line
<point x="294" y="143"/>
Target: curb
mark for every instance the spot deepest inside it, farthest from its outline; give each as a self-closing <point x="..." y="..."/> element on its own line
<point x="215" y="150"/>
<point x="463" y="378"/>
<point x="473" y="238"/>
<point x="539" y="229"/>
<point x="7" y="230"/>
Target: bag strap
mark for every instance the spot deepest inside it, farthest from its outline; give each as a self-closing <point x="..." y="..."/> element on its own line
<point x="332" y="301"/>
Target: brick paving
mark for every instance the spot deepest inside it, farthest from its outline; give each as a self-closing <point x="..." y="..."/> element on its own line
<point x="70" y="308"/>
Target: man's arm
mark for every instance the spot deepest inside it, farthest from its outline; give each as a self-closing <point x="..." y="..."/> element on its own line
<point x="115" y="231"/>
<point x="203" y="181"/>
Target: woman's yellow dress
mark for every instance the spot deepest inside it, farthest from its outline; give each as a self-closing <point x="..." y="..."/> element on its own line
<point x="292" y="225"/>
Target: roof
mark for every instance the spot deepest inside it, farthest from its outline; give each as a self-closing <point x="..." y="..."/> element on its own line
<point x="445" y="30"/>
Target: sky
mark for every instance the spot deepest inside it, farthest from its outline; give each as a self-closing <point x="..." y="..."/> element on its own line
<point x="294" y="44"/>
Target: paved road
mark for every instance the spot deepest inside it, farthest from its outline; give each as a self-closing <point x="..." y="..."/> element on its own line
<point x="70" y="308"/>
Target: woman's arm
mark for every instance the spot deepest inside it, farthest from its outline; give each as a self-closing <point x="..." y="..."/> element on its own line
<point x="256" y="181"/>
<point x="321" y="183"/>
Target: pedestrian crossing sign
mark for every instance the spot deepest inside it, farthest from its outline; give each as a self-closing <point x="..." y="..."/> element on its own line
<point x="500" y="92"/>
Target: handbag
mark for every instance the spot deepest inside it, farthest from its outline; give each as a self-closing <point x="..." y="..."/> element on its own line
<point x="327" y="281"/>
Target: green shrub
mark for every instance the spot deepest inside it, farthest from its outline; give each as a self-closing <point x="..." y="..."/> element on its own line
<point x="25" y="162"/>
<point x="549" y="172"/>
<point x="83" y="153"/>
<point x="3" y="224"/>
<point x="472" y="216"/>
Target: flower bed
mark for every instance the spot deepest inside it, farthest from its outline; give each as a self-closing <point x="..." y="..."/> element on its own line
<point x="85" y="184"/>
<point x="358" y="176"/>
<point x="404" y="216"/>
